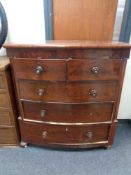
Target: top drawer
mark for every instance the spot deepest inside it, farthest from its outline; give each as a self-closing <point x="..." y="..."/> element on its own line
<point x="38" y="69"/>
<point x="102" y="69"/>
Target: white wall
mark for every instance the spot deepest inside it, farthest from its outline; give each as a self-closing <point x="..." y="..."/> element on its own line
<point x="125" y="103"/>
<point x="25" y="20"/>
<point x="26" y="24"/>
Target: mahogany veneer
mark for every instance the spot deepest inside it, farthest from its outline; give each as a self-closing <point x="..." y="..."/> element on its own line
<point x="54" y="112"/>
<point x="68" y="91"/>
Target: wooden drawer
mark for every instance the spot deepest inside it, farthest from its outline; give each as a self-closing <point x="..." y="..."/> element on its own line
<point x="96" y="112"/>
<point x="38" y="69"/>
<point x="44" y="134"/>
<point x="102" y="69"/>
<point x="73" y="92"/>
<point x="2" y="81"/>
<point x="4" y="101"/>
<point x="6" y="117"/>
<point x="7" y="136"/>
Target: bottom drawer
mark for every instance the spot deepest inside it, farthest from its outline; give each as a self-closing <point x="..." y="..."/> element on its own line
<point x="7" y="136"/>
<point x="57" y="134"/>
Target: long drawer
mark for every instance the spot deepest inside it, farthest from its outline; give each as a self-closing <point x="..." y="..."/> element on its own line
<point x="51" y="134"/>
<point x="38" y="69"/>
<point x="102" y="69"/>
<point x="77" y="113"/>
<point x="73" y="92"/>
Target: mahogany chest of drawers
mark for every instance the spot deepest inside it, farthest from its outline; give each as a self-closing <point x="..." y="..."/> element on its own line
<point x="68" y="91"/>
<point x="8" y="128"/>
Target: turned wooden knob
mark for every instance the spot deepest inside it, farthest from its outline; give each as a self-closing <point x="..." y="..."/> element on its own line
<point x="42" y="113"/>
<point x="44" y="134"/>
<point x="95" y="70"/>
<point x="93" y="93"/>
<point x="89" y="135"/>
<point x="39" y="70"/>
<point x="41" y="92"/>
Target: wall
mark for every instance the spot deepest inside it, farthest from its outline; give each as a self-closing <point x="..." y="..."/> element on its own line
<point x="125" y="104"/>
<point x="26" y="24"/>
<point x="25" y="20"/>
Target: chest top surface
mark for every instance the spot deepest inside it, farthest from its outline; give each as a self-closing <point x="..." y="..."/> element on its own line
<point x="71" y="44"/>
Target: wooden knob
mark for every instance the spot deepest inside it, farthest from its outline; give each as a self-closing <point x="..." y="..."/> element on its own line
<point x="93" y="93"/>
<point x="89" y="135"/>
<point x="43" y="113"/>
<point x="39" y="70"/>
<point x="44" y="134"/>
<point x="95" y="70"/>
<point x="41" y="92"/>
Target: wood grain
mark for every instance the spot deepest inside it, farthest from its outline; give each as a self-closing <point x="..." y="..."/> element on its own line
<point x="84" y="19"/>
<point x="69" y="101"/>
<point x="2" y="81"/>
<point x="82" y="113"/>
<point x="64" y="53"/>
<point x="52" y="69"/>
<point x="83" y="69"/>
<point x="62" y="134"/>
<point x="4" y="101"/>
<point x="8" y="136"/>
<point x="64" y="44"/>
<point x="6" y="117"/>
<point x="68" y="92"/>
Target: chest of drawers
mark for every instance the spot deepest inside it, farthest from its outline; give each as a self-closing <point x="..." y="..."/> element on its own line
<point x="68" y="91"/>
<point x="8" y="127"/>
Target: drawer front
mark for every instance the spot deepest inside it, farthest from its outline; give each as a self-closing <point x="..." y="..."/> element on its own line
<point x="2" y="81"/>
<point x="5" y="117"/>
<point x="102" y="69"/>
<point x="75" y="53"/>
<point x="42" y="134"/>
<point x="37" y="69"/>
<point x="68" y="92"/>
<point x="7" y="136"/>
<point x="4" y="99"/>
<point x="97" y="112"/>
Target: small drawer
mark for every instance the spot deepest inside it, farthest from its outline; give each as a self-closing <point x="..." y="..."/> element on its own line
<point x="2" y="81"/>
<point x="4" y="101"/>
<point x="38" y="69"/>
<point x="73" y="92"/>
<point x="6" y="117"/>
<point x="102" y="69"/>
<point x="57" y="134"/>
<point x="7" y="136"/>
<point x="77" y="113"/>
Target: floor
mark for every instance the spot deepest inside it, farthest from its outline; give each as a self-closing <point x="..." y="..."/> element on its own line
<point x="40" y="161"/>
